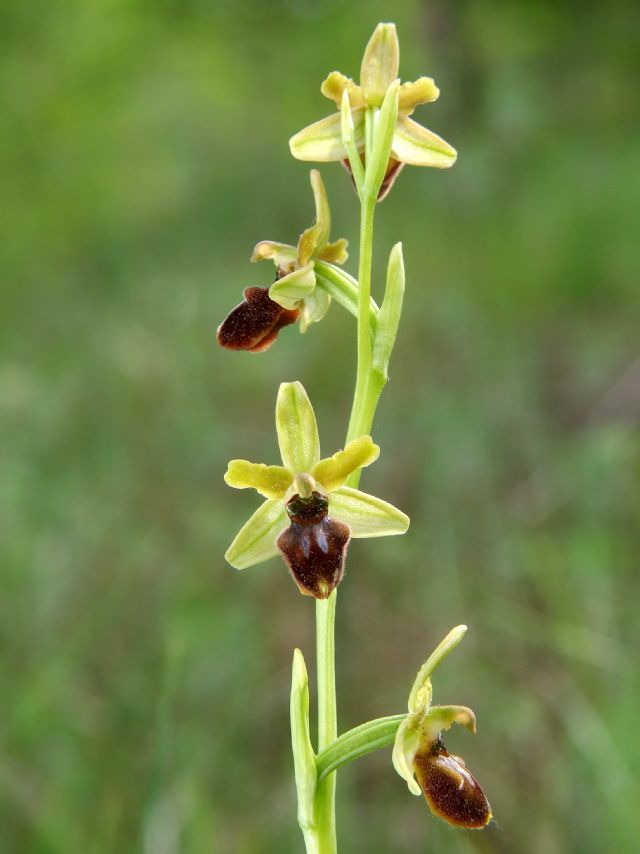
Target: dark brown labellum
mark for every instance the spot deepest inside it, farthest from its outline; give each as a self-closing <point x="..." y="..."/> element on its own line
<point x="314" y="545"/>
<point x="451" y="791"/>
<point x="394" y="167"/>
<point x="254" y="324"/>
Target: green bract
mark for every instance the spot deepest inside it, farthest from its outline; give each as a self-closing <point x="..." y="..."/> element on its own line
<point x="324" y="140"/>
<point x="302" y="473"/>
<point x="295" y="287"/>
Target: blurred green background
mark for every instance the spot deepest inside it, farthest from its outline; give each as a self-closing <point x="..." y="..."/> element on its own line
<point x="143" y="683"/>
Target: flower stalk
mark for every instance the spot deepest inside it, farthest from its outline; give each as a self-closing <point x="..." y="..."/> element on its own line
<point x="312" y="506"/>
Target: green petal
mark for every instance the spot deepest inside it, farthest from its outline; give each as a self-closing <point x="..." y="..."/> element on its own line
<point x="380" y="63"/>
<point x="421" y="91"/>
<point x="366" y="515"/>
<point x="295" y="286"/>
<point x="336" y="252"/>
<point x="332" y="473"/>
<point x="439" y="718"/>
<point x="256" y="540"/>
<point x="314" y="238"/>
<point x="405" y="748"/>
<point x="418" y="146"/>
<point x="270" y="481"/>
<point x="297" y="429"/>
<point x="314" y="308"/>
<point x="281" y="254"/>
<point x="322" y="141"/>
<point x="335" y="85"/>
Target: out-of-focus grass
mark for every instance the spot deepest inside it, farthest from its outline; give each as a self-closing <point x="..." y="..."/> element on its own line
<point x="144" y="683"/>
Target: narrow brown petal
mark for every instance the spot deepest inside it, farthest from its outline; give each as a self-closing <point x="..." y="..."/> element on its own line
<point x="451" y="791"/>
<point x="393" y="170"/>
<point x="314" y="546"/>
<point x="255" y="322"/>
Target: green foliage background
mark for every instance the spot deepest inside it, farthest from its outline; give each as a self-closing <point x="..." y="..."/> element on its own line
<point x="143" y="683"/>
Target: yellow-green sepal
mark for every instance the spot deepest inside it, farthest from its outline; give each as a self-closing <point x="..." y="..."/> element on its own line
<point x="332" y="472"/>
<point x="366" y="515"/>
<point x="314" y="238"/>
<point x="255" y="542"/>
<point x="380" y="64"/>
<point x="270" y="481"/>
<point x="291" y="289"/>
<point x="405" y="747"/>
<point x="418" y="146"/>
<point x="421" y="688"/>
<point x="322" y="141"/>
<point x="297" y="428"/>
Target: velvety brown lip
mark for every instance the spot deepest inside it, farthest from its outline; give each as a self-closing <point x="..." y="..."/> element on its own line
<point x="450" y="790"/>
<point x="254" y="323"/>
<point x="314" y="545"/>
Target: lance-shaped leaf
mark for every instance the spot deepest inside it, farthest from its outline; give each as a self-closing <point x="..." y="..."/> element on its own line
<point x="418" y="146"/>
<point x="380" y="63"/>
<point x="303" y="756"/>
<point x="256" y="540"/>
<point x="294" y="287"/>
<point x="366" y="515"/>
<point x="297" y="428"/>
<point x="333" y="472"/>
<point x="379" y="159"/>
<point x="389" y="314"/>
<point x="270" y="481"/>
<point x="322" y="141"/>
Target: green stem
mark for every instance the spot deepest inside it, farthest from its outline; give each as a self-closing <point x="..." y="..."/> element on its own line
<point x="365" y="399"/>
<point x="359" y="423"/>
<point x="327" y="720"/>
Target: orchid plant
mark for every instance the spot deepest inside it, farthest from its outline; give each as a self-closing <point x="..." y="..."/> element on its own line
<point x="312" y="506"/>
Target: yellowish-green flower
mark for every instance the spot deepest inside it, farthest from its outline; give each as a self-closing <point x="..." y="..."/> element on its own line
<point x="323" y="141"/>
<point x="450" y="790"/>
<point x="295" y="288"/>
<point x="309" y="514"/>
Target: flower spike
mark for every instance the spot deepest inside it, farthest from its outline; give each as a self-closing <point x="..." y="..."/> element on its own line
<point x="309" y="515"/>
<point x="450" y="790"/>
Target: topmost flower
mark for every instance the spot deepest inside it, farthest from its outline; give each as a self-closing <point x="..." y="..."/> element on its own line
<point x="323" y="141"/>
